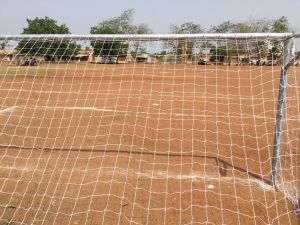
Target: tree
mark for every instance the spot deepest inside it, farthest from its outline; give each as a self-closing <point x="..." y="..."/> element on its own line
<point x="218" y="48"/>
<point x="117" y="25"/>
<point x="3" y="45"/>
<point x="186" y="28"/>
<point x="136" y="46"/>
<point x="255" y="25"/>
<point x="45" y="26"/>
<point x="281" y="25"/>
<point x="224" y="27"/>
<point x="252" y="25"/>
<point x="184" y="48"/>
<point x="49" y="49"/>
<point x="142" y="29"/>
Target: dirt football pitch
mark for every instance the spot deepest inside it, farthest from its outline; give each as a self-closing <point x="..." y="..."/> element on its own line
<point x="139" y="144"/>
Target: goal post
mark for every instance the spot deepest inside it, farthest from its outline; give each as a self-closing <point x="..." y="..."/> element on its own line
<point x="286" y="61"/>
<point x="150" y="129"/>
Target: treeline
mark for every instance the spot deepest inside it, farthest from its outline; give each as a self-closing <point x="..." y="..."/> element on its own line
<point x="123" y="24"/>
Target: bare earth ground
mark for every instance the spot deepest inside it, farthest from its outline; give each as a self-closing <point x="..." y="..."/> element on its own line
<point x="142" y="144"/>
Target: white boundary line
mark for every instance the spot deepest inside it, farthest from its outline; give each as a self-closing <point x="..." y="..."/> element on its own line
<point x="15" y="108"/>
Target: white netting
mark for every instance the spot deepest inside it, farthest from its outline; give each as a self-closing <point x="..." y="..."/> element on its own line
<point x="146" y="130"/>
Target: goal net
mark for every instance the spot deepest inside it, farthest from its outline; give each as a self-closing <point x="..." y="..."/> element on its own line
<point x="149" y="129"/>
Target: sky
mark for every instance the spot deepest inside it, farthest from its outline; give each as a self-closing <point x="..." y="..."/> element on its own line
<point x="80" y="15"/>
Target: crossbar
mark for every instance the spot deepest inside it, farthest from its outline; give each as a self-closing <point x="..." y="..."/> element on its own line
<point x="149" y="37"/>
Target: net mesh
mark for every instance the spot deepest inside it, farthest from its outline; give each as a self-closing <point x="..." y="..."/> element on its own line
<point x="137" y="131"/>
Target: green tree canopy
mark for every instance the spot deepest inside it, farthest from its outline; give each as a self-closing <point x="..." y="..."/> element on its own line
<point x="45" y="26"/>
<point x="224" y="27"/>
<point x="281" y="25"/>
<point x="184" y="47"/>
<point x="252" y="25"/>
<point x="117" y="25"/>
<point x="48" y="49"/>
<point x="186" y="28"/>
<point x="3" y="45"/>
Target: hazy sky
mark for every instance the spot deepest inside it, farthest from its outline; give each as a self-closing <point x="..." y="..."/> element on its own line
<point x="80" y="15"/>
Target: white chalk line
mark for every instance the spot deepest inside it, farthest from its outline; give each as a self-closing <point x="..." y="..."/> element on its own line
<point x="207" y="177"/>
<point x="9" y="110"/>
<point x="15" y="168"/>
<point x="174" y="94"/>
<point x="158" y="175"/>
<point x="12" y="109"/>
<point x="199" y="95"/>
<point x="15" y="108"/>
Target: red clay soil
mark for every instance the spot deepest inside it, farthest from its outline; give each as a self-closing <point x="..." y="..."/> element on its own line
<point x="144" y="144"/>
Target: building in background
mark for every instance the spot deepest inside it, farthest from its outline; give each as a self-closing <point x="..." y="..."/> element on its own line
<point x="7" y="55"/>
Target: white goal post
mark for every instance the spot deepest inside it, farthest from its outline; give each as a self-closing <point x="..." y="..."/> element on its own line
<point x="150" y="129"/>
